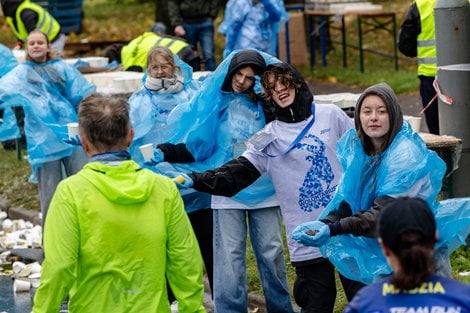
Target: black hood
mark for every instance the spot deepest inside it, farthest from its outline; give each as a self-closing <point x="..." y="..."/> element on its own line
<point x="241" y="59"/>
<point x="10" y="6"/>
<point x="386" y="93"/>
<point x="300" y="109"/>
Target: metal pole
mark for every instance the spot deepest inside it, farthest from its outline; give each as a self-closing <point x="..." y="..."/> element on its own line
<point x="287" y="40"/>
<point x="395" y="49"/>
<point x="452" y="30"/>
<point x="361" y="52"/>
<point x="343" y="41"/>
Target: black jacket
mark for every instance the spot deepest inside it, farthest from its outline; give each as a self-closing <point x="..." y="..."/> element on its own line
<point x="363" y="223"/>
<point x="191" y="10"/>
<point x="409" y="31"/>
<point x="29" y="17"/>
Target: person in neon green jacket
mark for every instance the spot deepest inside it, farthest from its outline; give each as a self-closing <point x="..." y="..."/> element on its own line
<point x="115" y="232"/>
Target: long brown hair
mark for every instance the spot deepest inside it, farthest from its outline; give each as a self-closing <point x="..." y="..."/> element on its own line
<point x="416" y="261"/>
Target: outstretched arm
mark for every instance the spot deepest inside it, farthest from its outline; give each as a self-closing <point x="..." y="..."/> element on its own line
<point x="363" y="223"/>
<point x="228" y="179"/>
<point x="340" y="222"/>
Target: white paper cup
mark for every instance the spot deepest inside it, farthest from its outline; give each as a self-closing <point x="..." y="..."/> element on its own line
<point x="415" y="122"/>
<point x="72" y="129"/>
<point x="7" y="225"/>
<point x="18" y="267"/>
<point x="35" y="283"/>
<point x="35" y="268"/>
<point x="147" y="151"/>
<point x="20" y="285"/>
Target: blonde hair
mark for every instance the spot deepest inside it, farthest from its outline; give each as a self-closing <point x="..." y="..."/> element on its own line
<point x="165" y="53"/>
<point x="50" y="54"/>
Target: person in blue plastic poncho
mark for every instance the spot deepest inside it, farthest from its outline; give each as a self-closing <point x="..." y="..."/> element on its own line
<point x="296" y="149"/>
<point x="382" y="159"/>
<point x="8" y="127"/>
<point x="49" y="91"/>
<point x="407" y="231"/>
<point x="214" y="128"/>
<point x="168" y="83"/>
<point x="252" y="24"/>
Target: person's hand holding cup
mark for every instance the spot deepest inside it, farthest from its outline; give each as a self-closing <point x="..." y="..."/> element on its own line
<point x="74" y="138"/>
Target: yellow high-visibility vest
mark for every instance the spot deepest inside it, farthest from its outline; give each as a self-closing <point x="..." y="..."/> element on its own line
<point x="46" y="23"/>
<point x="427" y="60"/>
<point x="135" y="53"/>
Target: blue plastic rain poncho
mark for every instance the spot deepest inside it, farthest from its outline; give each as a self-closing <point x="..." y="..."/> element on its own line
<point x="214" y="127"/>
<point x="252" y="24"/>
<point x="7" y="60"/>
<point x="397" y="171"/>
<point x="49" y="94"/>
<point x="8" y="127"/>
<point x="149" y="111"/>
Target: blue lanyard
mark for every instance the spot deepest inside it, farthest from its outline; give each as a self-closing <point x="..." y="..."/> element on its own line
<point x="299" y="137"/>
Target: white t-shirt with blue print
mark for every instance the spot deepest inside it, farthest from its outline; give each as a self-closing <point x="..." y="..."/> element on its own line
<point x="306" y="178"/>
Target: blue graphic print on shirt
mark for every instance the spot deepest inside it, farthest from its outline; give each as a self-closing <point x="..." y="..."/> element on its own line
<point x="316" y="191"/>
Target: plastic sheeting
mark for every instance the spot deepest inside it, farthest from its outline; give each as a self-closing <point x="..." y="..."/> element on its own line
<point x="149" y="111"/>
<point x="8" y="128"/>
<point x="252" y="24"/>
<point x="214" y="127"/>
<point x="49" y="94"/>
<point x="7" y="60"/>
<point x="405" y="164"/>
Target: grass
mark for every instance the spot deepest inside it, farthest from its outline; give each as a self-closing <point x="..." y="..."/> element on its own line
<point x="14" y="184"/>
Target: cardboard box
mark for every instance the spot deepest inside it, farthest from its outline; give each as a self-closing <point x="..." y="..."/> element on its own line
<point x="297" y="40"/>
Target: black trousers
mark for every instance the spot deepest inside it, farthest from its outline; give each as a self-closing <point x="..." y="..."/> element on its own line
<point x="427" y="92"/>
<point x="315" y="287"/>
<point x="201" y="221"/>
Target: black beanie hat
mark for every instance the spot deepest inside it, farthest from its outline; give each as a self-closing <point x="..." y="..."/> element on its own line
<point x="404" y="215"/>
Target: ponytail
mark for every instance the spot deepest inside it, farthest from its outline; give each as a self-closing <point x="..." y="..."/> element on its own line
<point x="416" y="261"/>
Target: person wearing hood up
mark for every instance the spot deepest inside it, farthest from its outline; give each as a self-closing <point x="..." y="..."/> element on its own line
<point x="216" y="124"/>
<point x="382" y="159"/>
<point x="24" y="16"/>
<point x="115" y="232"/>
<point x="297" y="150"/>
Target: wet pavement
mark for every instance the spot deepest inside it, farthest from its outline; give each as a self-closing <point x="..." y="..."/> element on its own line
<point x="21" y="302"/>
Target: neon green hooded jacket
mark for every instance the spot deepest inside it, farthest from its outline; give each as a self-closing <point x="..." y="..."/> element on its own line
<point x="112" y="234"/>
